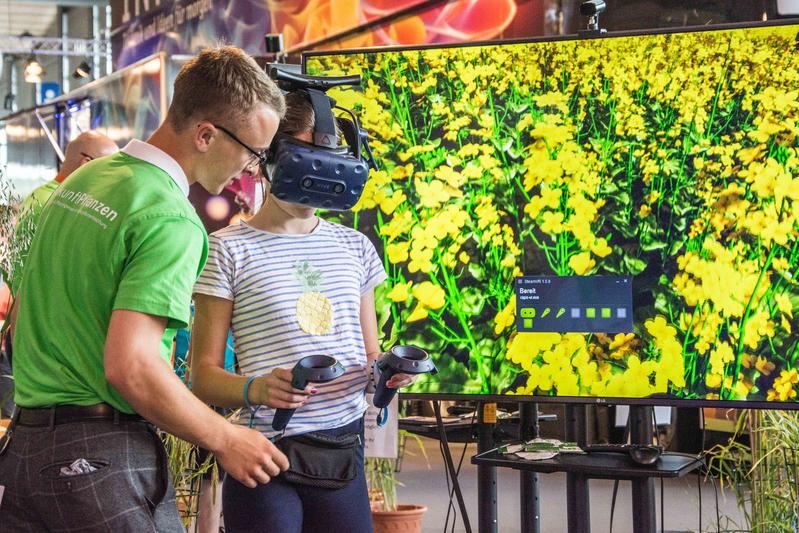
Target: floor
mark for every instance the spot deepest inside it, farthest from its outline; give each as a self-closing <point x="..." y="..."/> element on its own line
<point x="425" y="482"/>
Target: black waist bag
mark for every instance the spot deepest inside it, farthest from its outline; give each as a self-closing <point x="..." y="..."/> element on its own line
<point x="320" y="459"/>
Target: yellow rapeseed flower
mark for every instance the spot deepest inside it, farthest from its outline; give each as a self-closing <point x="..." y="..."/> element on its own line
<point x="388" y="204"/>
<point x="783" y="389"/>
<point x="713" y="380"/>
<point x="429" y="295"/>
<point x="764" y="366"/>
<point x="399" y="293"/>
<point x="419" y="313"/>
<point x="784" y="304"/>
<point x="581" y="263"/>
<point x="435" y="193"/>
<point x="506" y="317"/>
<point x="552" y="222"/>
<point x="600" y="248"/>
<point x="398" y="252"/>
<point x="421" y="260"/>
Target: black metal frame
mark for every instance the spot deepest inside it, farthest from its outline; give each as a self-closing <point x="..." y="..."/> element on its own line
<point x="591" y="400"/>
<point x="586" y="400"/>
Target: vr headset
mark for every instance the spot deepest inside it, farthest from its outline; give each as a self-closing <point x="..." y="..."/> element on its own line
<point x="323" y="174"/>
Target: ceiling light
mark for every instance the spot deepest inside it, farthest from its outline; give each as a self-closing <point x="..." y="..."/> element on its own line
<point x="34" y="71"/>
<point x="84" y="70"/>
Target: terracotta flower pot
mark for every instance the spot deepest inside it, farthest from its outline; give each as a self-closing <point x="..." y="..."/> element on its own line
<point x="406" y="519"/>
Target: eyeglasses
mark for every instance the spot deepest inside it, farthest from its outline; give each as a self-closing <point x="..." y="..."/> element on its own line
<point x="259" y="157"/>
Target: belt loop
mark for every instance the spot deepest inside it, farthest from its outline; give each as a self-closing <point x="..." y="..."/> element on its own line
<point x="52" y="418"/>
<point x="116" y="416"/>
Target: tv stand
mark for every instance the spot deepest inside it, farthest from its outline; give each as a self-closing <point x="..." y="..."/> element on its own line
<point x="641" y="432"/>
<point x="580" y="468"/>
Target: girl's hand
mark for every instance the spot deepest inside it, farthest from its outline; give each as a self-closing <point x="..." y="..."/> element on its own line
<point x="399" y="381"/>
<point x="275" y="390"/>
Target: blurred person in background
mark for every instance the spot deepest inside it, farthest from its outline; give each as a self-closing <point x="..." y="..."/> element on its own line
<point x="87" y="146"/>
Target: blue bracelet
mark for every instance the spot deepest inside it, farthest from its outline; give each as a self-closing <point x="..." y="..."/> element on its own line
<point x="252" y="408"/>
<point x="247" y="384"/>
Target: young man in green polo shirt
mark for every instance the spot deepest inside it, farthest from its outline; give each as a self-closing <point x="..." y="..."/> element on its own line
<point x="90" y="346"/>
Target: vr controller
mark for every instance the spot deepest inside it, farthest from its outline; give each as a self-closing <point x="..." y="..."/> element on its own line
<point x="322" y="173"/>
<point x="310" y="369"/>
<point x="399" y="360"/>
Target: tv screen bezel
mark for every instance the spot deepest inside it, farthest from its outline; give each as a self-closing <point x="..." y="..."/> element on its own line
<point x="660" y="400"/>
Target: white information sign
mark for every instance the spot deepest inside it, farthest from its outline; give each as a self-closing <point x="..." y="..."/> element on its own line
<point x="381" y="441"/>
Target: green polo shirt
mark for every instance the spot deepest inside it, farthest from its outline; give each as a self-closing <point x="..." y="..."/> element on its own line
<point x="119" y="234"/>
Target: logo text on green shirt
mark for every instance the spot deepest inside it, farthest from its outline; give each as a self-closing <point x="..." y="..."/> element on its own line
<point x="81" y="199"/>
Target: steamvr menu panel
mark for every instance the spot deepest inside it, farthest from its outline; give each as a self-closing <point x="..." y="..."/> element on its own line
<point x="574" y="304"/>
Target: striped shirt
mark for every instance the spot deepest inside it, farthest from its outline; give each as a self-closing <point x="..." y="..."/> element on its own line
<point x="266" y="276"/>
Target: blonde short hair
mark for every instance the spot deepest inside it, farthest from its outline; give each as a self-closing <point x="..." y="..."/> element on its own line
<point x="220" y="84"/>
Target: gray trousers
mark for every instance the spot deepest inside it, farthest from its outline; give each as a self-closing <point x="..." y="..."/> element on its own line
<point x="6" y="388"/>
<point x="131" y="490"/>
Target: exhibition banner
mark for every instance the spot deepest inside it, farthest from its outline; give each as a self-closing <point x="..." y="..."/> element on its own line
<point x="143" y="27"/>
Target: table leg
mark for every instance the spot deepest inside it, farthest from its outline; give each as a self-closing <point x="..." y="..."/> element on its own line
<point x="577" y="507"/>
<point x="644" y="519"/>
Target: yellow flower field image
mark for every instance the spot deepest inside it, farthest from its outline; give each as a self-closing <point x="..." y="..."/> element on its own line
<point x="672" y="158"/>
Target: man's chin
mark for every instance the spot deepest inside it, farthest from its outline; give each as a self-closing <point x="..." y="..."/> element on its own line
<point x="215" y="188"/>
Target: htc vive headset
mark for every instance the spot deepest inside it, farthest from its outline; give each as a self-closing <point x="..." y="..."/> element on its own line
<point x="323" y="174"/>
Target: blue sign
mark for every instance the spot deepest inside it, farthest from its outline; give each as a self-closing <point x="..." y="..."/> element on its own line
<point x="574" y="304"/>
<point x="50" y="90"/>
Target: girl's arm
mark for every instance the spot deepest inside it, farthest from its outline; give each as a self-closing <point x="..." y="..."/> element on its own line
<point x="369" y="329"/>
<point x="215" y="385"/>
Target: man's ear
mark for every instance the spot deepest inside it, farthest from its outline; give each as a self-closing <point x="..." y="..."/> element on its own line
<point x="204" y="136"/>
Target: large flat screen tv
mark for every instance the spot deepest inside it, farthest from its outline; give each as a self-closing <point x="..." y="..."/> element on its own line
<point x="671" y="158"/>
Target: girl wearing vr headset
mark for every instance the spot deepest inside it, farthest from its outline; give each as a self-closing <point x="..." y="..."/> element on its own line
<point x="290" y="284"/>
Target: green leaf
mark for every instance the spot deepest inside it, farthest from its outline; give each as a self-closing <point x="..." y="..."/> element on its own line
<point x="621" y="223"/>
<point x="653" y="245"/>
<point x="662" y="303"/>
<point x="476" y="271"/>
<point x="676" y="247"/>
<point x="519" y="108"/>
<point x="472" y="300"/>
<point x="634" y="265"/>
<point x="622" y="198"/>
<point x="511" y="151"/>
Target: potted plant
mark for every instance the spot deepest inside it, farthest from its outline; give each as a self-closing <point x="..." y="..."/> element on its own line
<point x="187" y="472"/>
<point x="14" y="238"/>
<point x="763" y="475"/>
<point x="387" y="514"/>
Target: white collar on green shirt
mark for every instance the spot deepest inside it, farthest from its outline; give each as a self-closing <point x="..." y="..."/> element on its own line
<point x="156" y="156"/>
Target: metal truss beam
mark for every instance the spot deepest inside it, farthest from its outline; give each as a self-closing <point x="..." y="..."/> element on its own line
<point x="52" y="46"/>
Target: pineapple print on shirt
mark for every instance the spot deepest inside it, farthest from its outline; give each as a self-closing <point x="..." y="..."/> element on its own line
<point x="314" y="312"/>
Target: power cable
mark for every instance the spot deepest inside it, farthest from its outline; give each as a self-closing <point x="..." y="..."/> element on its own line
<point x="451" y="467"/>
<point x="616" y="481"/>
<point x="662" y="491"/>
<point x="451" y="506"/>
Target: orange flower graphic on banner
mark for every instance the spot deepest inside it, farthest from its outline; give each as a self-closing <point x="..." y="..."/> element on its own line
<point x="305" y="21"/>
